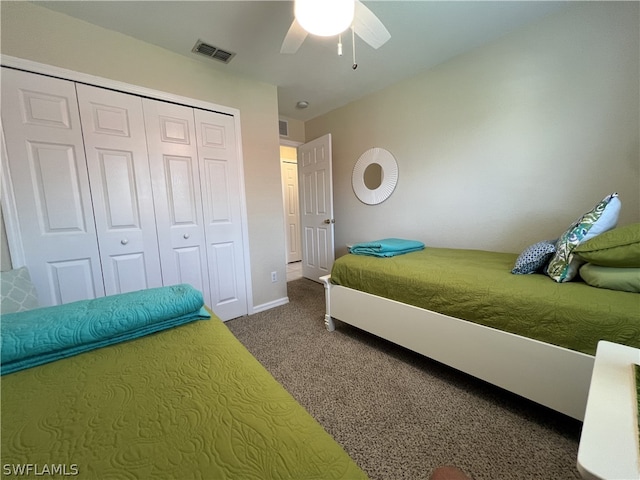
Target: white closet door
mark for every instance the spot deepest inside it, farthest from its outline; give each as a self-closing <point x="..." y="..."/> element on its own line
<point x="175" y="174"/>
<point x="49" y="178"/>
<point x="116" y="149"/>
<point x="218" y="157"/>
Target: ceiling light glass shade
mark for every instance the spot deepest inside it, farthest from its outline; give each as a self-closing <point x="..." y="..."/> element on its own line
<point x="324" y="17"/>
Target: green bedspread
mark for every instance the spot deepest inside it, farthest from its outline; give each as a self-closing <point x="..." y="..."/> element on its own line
<point x="186" y="403"/>
<point x="478" y="286"/>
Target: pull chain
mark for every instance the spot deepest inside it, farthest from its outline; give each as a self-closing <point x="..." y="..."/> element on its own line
<point x="353" y="44"/>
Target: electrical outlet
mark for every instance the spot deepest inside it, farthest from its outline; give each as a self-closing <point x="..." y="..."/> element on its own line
<point x="274" y="276"/>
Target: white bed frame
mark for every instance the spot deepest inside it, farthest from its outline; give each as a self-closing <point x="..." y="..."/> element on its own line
<point x="547" y="374"/>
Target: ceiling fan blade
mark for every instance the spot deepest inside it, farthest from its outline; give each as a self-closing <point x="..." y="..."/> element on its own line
<point x="369" y="27"/>
<point x="294" y="38"/>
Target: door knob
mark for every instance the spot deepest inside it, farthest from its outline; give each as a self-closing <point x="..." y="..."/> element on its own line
<point x="186" y="235"/>
<point x="124" y="241"/>
<point x="329" y="221"/>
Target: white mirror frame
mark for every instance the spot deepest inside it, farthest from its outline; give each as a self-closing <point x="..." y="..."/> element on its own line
<point x="389" y="176"/>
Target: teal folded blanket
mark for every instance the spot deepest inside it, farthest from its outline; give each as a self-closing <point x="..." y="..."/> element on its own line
<point x="387" y="247"/>
<point x="47" y="334"/>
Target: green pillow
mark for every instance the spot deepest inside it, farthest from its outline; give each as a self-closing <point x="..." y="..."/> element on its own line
<point x="619" y="247"/>
<point x="624" y="279"/>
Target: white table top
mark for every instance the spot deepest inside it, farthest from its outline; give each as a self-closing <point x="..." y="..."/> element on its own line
<point x="609" y="447"/>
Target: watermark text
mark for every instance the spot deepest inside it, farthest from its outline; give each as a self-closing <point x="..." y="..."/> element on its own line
<point x="39" y="470"/>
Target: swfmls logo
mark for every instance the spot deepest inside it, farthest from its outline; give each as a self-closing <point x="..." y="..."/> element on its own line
<point x="38" y="470"/>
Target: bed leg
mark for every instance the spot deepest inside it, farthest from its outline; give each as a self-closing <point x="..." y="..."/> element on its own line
<point x="328" y="321"/>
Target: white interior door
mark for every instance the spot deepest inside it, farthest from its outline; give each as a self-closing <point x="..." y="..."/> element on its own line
<point x="118" y="164"/>
<point x="221" y="195"/>
<point x="175" y="174"/>
<point x="291" y="210"/>
<point x="316" y="207"/>
<point x="48" y="173"/>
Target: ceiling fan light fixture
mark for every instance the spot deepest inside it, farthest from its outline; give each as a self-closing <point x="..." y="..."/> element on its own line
<point x="324" y="17"/>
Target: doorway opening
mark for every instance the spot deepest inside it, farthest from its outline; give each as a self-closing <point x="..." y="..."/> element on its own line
<point x="291" y="206"/>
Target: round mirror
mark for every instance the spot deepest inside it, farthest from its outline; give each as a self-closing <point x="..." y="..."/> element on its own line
<point x="375" y="175"/>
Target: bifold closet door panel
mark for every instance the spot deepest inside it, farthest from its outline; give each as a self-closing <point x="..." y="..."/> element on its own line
<point x="48" y="173"/>
<point x="221" y="194"/>
<point x="175" y="175"/>
<point x="118" y="164"/>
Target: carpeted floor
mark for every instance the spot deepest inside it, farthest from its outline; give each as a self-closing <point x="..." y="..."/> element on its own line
<point x="398" y="414"/>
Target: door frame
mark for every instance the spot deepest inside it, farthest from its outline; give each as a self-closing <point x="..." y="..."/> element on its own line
<point x="8" y="203"/>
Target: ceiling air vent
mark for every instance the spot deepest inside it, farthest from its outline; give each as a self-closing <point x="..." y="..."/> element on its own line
<point x="284" y="128"/>
<point x="212" y="52"/>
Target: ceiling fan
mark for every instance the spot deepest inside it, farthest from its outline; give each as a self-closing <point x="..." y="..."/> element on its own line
<point x="332" y="17"/>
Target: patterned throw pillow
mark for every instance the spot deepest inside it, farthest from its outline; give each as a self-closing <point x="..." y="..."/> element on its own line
<point x="564" y="265"/>
<point x="17" y="292"/>
<point x="534" y="257"/>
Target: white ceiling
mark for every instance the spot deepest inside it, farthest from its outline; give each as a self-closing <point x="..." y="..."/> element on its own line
<point x="423" y="34"/>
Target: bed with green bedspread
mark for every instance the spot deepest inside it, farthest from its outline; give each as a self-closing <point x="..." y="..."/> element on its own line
<point x="188" y="402"/>
<point x="477" y="286"/>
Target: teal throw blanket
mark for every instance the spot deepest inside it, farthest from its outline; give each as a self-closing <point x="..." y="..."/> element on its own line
<point x="47" y="334"/>
<point x="387" y="247"/>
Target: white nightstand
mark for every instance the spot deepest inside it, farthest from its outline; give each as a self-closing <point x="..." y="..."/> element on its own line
<point x="609" y="447"/>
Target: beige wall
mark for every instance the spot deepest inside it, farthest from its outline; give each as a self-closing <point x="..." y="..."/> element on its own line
<point x="38" y="34"/>
<point x="503" y="146"/>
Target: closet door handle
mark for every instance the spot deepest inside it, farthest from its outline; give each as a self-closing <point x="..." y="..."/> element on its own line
<point x="124" y="241"/>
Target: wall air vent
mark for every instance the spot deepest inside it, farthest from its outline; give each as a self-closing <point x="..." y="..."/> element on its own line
<point x="284" y="128"/>
<point x="212" y="52"/>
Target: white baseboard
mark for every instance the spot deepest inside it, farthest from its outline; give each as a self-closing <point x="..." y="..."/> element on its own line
<point x="269" y="305"/>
